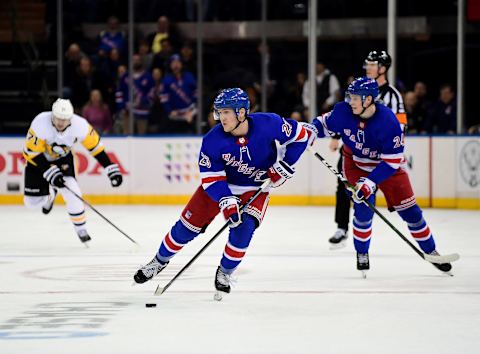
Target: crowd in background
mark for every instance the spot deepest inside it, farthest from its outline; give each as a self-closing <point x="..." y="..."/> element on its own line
<point x="165" y="87"/>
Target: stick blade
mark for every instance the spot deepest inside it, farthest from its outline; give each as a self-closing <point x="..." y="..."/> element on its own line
<point x="159" y="290"/>
<point x="448" y="258"/>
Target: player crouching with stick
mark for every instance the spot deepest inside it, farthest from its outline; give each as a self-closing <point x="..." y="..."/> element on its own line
<point x="373" y="156"/>
<point x="235" y="158"/>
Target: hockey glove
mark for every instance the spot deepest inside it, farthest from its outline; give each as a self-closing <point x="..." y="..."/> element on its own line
<point x="113" y="172"/>
<point x="54" y="176"/>
<point x="230" y="209"/>
<point x="364" y="189"/>
<point x="280" y="172"/>
<point x="312" y="132"/>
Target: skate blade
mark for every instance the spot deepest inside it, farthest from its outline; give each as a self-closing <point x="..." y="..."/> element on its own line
<point x="364" y="274"/>
<point x="86" y="244"/>
<point x="218" y="295"/>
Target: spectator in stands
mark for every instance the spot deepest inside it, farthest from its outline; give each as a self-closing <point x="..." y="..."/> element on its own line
<point x="178" y="96"/>
<point x="296" y="115"/>
<point x="421" y="93"/>
<point x="72" y="60"/>
<point x="328" y="89"/>
<point x="164" y="31"/>
<point x="442" y="116"/>
<point x="161" y="59"/>
<point x="145" y="54"/>
<point x="252" y="96"/>
<point x="111" y="38"/>
<point x="415" y="115"/>
<point x="109" y="66"/>
<point x="158" y="119"/>
<point x="188" y="59"/>
<point x="98" y="113"/>
<point x="87" y="79"/>
<point x="143" y="85"/>
<point x="293" y="89"/>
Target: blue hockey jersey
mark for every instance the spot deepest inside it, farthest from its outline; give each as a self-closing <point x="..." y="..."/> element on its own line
<point x="231" y="165"/>
<point x="143" y="90"/>
<point x="376" y="143"/>
<point x="178" y="94"/>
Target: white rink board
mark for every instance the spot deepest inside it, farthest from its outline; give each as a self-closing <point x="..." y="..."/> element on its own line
<point x="448" y="166"/>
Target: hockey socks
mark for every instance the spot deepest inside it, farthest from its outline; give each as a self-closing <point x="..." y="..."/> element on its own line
<point x="418" y="228"/>
<point x="362" y="232"/>
<point x="237" y="244"/>
<point x="174" y="241"/>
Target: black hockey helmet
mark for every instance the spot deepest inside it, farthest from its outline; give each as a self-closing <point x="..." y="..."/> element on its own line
<point x="381" y="57"/>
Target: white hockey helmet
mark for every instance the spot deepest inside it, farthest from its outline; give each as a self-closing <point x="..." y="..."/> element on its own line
<point x="62" y="109"/>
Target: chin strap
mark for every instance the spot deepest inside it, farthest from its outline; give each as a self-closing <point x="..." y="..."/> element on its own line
<point x="238" y="123"/>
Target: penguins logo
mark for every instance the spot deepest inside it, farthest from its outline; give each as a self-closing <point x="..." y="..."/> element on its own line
<point x="470" y="163"/>
<point x="60" y="149"/>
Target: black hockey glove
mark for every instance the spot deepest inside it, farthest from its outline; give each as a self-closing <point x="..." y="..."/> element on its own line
<point x="54" y="176"/>
<point x="113" y="172"/>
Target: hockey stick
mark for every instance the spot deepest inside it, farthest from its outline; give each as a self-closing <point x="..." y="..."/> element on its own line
<point x="160" y="290"/>
<point x="428" y="257"/>
<point x="101" y="215"/>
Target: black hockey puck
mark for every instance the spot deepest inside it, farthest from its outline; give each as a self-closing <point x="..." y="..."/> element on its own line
<point x="150" y="305"/>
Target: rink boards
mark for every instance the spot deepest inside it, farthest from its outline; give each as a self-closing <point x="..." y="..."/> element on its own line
<point x="445" y="172"/>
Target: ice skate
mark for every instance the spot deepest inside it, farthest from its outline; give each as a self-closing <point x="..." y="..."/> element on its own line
<point x="443" y="267"/>
<point x="338" y="240"/>
<point x="48" y="207"/>
<point x="84" y="237"/>
<point x="363" y="263"/>
<point x="222" y="284"/>
<point x="149" y="270"/>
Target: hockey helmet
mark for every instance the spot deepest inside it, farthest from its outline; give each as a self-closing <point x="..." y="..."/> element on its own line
<point x="234" y="98"/>
<point x="380" y="57"/>
<point x="62" y="109"/>
<point x="364" y="87"/>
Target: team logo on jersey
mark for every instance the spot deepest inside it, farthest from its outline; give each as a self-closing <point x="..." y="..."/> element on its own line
<point x="226" y="157"/>
<point x="205" y="161"/>
<point x="287" y="128"/>
<point x="470" y="163"/>
<point x="347" y="132"/>
<point x="242" y="141"/>
<point x="58" y="150"/>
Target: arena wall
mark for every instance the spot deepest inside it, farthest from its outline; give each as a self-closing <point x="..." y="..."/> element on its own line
<point x="445" y="172"/>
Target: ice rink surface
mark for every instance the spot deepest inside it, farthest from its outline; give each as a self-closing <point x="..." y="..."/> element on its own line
<point x="293" y="294"/>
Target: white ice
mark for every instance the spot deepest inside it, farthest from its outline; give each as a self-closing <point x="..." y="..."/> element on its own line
<point x="293" y="294"/>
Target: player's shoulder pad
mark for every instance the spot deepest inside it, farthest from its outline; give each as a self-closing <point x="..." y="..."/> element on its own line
<point x="80" y="126"/>
<point x="42" y="124"/>
<point x="385" y="112"/>
<point x="266" y="121"/>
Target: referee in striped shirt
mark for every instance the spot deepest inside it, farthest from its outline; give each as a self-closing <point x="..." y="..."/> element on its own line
<point x="376" y="66"/>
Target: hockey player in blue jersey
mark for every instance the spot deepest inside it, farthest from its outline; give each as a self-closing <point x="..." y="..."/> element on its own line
<point x="373" y="156"/>
<point x="235" y="159"/>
